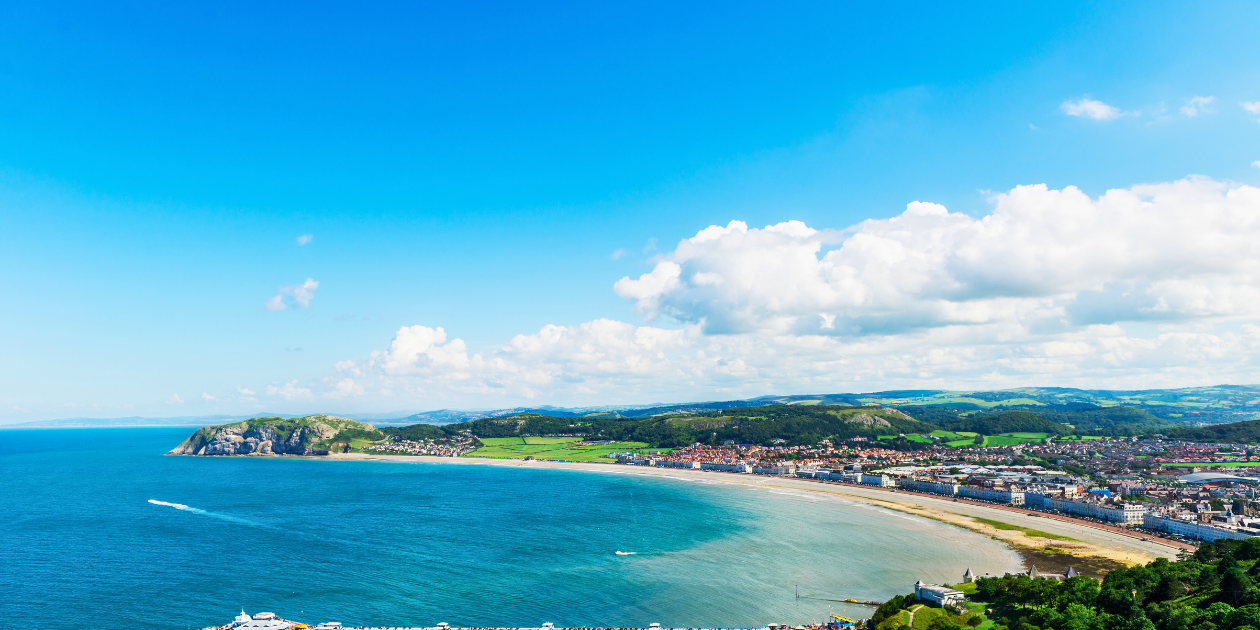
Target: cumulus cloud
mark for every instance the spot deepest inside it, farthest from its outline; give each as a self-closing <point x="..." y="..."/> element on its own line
<point x="1152" y="285"/>
<point x="344" y="388"/>
<point x="1167" y="251"/>
<point x="1088" y="108"/>
<point x="175" y="400"/>
<point x="618" y="254"/>
<point x="289" y="391"/>
<point x="305" y="238"/>
<point x="1198" y="105"/>
<point x="1253" y="107"/>
<point x="299" y="294"/>
<point x="207" y="397"/>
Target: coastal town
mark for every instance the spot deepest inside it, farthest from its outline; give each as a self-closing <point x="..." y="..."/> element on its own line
<point x="1181" y="491"/>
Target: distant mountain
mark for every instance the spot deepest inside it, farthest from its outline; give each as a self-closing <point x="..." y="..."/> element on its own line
<point x="1190" y="405"/>
<point x="1087" y="410"/>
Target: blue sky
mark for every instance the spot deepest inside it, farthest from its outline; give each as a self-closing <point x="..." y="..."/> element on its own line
<point x="494" y="169"/>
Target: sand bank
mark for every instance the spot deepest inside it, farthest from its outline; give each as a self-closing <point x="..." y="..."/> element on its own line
<point x="1091" y="547"/>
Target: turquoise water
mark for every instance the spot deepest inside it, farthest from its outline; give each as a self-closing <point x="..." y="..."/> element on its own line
<point x="413" y="544"/>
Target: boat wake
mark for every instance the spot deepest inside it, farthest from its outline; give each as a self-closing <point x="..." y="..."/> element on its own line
<point x="178" y="506"/>
<point x="626" y="553"/>
<point x="188" y="508"/>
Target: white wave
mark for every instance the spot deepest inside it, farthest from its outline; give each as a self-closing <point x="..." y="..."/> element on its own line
<point x="188" y="508"/>
<point x="178" y="506"/>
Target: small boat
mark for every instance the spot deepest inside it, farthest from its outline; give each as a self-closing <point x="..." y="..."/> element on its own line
<point x="624" y="553"/>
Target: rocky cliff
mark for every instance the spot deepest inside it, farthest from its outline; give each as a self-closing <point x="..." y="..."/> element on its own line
<point x="312" y="435"/>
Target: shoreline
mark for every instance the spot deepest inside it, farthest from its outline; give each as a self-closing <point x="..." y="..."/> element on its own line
<point x="1051" y="541"/>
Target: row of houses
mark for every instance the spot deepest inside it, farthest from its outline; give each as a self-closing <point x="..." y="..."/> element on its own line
<point x="1186" y="524"/>
<point x="1045" y="497"/>
<point x="1064" y="498"/>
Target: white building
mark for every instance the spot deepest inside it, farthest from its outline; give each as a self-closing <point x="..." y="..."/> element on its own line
<point x="997" y="495"/>
<point x="947" y="488"/>
<point x="940" y="595"/>
<point x="883" y="481"/>
<point x="689" y="465"/>
<point x="774" y="469"/>
<point x="1192" y="528"/>
<point x="736" y="468"/>
<point x="1126" y="514"/>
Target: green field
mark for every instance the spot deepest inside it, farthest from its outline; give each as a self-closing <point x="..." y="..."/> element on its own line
<point x="555" y="448"/>
<point x="1031" y="436"/>
<point x="1016" y="528"/>
<point x="963" y="439"/>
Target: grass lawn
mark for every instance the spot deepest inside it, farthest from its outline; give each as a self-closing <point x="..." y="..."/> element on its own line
<point x="566" y="449"/>
<point x="953" y="435"/>
<point x="1033" y="533"/>
<point x="1030" y="436"/>
<point x="1001" y="440"/>
<point x="550" y="440"/>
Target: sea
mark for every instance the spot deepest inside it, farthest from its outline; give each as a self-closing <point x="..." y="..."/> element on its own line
<point x="103" y="530"/>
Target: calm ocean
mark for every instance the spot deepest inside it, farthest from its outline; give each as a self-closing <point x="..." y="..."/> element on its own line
<point x="415" y="544"/>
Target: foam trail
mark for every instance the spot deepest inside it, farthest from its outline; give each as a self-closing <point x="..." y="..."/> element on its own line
<point x="186" y="508"/>
<point x="178" y="506"/>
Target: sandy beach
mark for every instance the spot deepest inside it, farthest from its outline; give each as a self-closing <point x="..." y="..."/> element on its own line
<point x="1091" y="547"/>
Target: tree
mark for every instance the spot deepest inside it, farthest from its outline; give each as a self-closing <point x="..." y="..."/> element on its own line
<point x="1079" y="590"/>
<point x="1169" y="588"/>
<point x="1248" y="550"/>
<point x="1218" y="614"/>
<point x="1234" y="584"/>
<point x="1226" y="564"/>
<point x="1245" y="616"/>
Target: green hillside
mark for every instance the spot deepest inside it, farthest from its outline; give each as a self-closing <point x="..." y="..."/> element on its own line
<point x="795" y="425"/>
<point x="1213" y="589"/>
<point x="1247" y="432"/>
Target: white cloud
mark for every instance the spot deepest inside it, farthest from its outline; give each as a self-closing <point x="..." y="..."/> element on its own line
<point x="289" y="391"/>
<point x="1198" y="105"/>
<point x="1053" y="287"/>
<point x="305" y="238"/>
<point x="344" y="388"/>
<point x="299" y="294"/>
<point x="175" y="400"/>
<point x="618" y="254"/>
<point x="1256" y="164"/>
<point x="1088" y="108"/>
<point x="1253" y="107"/>
<point x="207" y="397"/>
<point x="244" y="391"/>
